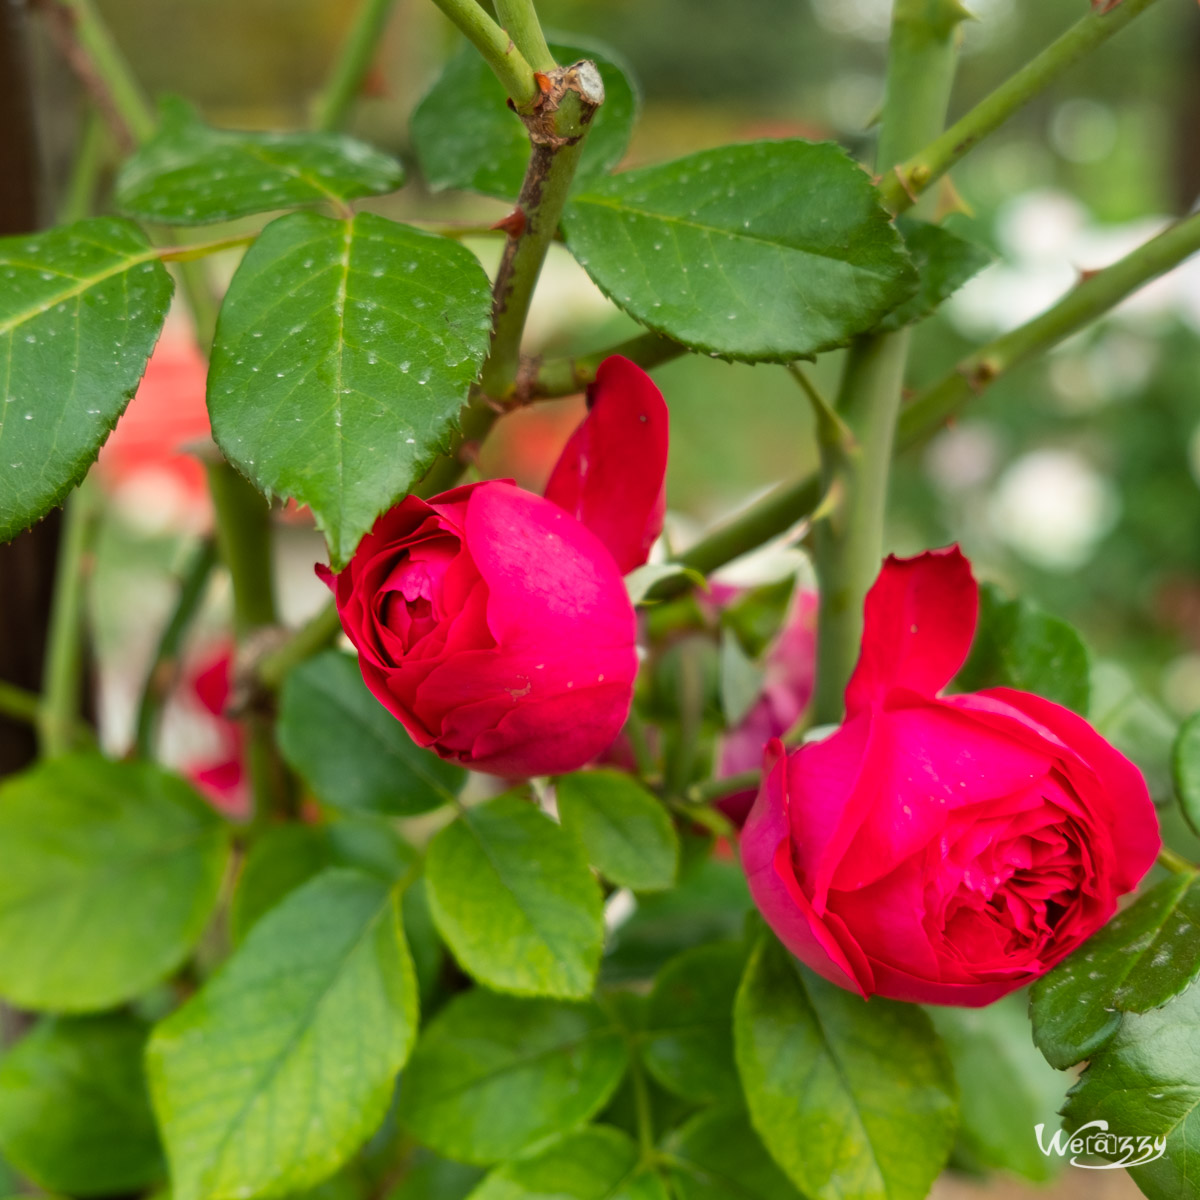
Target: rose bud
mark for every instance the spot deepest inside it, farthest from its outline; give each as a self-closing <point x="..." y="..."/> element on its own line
<point x="495" y="625"/>
<point x="942" y="849"/>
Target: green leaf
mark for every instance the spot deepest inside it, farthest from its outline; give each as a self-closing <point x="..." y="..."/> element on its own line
<point x="350" y="750"/>
<point x="1185" y="769"/>
<point x="944" y="262"/>
<point x="108" y="875"/>
<point x="689" y="1038"/>
<point x="284" y="857"/>
<point x="1135" y="724"/>
<point x="741" y="679"/>
<point x="597" y="1163"/>
<point x="513" y="898"/>
<point x="191" y="174"/>
<point x="343" y="354"/>
<point x="641" y="581"/>
<point x="493" y="1074"/>
<point x="855" y="1101"/>
<point x="272" y="1075"/>
<point x="430" y="1177"/>
<point x="717" y="1156"/>
<point x="1146" y="1083"/>
<point x="764" y="252"/>
<point x="709" y="903"/>
<point x="1005" y="1087"/>
<point x="467" y="137"/>
<point x="623" y="828"/>
<point x="74" y="1113"/>
<point x="80" y="310"/>
<point x="1017" y="645"/>
<point x="1146" y="954"/>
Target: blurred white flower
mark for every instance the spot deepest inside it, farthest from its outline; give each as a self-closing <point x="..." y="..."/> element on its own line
<point x="1052" y="507"/>
<point x="963" y="456"/>
<point x="1048" y="240"/>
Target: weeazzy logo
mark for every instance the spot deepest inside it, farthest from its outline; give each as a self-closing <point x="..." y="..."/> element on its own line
<point x="1123" y="1151"/>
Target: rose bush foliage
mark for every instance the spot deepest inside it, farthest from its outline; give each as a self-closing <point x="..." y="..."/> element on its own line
<point x="552" y="885"/>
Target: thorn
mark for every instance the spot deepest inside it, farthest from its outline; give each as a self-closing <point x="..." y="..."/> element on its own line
<point x="950" y="200"/>
<point x="1100" y="7"/>
<point x="979" y="377"/>
<point x="1085" y="273"/>
<point x="513" y="224"/>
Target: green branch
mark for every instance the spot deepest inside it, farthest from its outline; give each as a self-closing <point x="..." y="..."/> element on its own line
<point x="1092" y="297"/>
<point x="1176" y="863"/>
<point x="558" y="377"/>
<point x="520" y="21"/>
<point x="337" y="97"/>
<point x="848" y="548"/>
<point x="315" y="635"/>
<point x="904" y="183"/>
<point x="164" y="668"/>
<point x="62" y="679"/>
<point x="497" y="48"/>
<point x="19" y="704"/>
<point x="557" y="133"/>
<point x="929" y="409"/>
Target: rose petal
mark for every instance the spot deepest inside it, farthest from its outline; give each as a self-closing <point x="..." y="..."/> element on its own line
<point x="919" y="619"/>
<point x="777" y="893"/>
<point x="611" y="474"/>
<point x="548" y="576"/>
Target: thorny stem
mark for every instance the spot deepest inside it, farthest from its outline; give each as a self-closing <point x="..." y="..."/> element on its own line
<point x="498" y="50"/>
<point x="789" y="504"/>
<point x="557" y="132"/>
<point x="333" y="105"/>
<point x="921" y="64"/>
<point x="164" y="668"/>
<point x="905" y="182"/>
<point x="62" y="680"/>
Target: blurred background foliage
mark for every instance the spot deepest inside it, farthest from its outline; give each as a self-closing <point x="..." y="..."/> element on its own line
<point x="1076" y="481"/>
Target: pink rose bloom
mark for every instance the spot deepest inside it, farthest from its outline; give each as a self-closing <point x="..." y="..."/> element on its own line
<point x="495" y="624"/>
<point x="789" y="667"/>
<point x="942" y="849"/>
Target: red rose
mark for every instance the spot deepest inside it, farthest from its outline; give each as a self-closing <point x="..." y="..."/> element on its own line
<point x="494" y="624"/>
<point x="949" y="849"/>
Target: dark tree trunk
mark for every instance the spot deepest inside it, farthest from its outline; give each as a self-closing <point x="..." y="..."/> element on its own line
<point x="26" y="564"/>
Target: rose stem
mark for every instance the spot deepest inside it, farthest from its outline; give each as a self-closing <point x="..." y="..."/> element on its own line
<point x="89" y="49"/>
<point x="519" y="20"/>
<point x="1093" y="296"/>
<point x="557" y="132"/>
<point x="62" y="679"/>
<point x="849" y="546"/>
<point x="336" y="99"/>
<point x="498" y="50"/>
<point x="164" y="669"/>
<point x="905" y="182"/>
